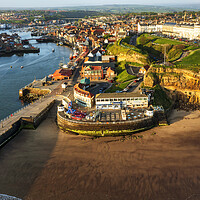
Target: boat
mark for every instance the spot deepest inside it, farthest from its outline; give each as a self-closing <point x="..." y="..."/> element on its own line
<point x="62" y="62"/>
<point x="75" y="54"/>
<point x="25" y="42"/>
<point x="10" y="66"/>
<point x="22" y="67"/>
<point x="53" y="50"/>
<point x="65" y="66"/>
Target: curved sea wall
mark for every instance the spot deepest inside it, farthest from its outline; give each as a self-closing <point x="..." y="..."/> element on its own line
<point x="104" y="128"/>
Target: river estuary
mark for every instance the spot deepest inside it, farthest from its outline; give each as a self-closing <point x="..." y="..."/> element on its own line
<point x="35" y="66"/>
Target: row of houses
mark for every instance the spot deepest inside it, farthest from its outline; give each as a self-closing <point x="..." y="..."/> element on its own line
<point x="98" y="66"/>
<point x="189" y="31"/>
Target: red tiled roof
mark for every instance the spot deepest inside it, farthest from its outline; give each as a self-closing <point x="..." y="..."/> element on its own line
<point x="96" y="67"/>
<point x="62" y="72"/>
<point x="78" y="88"/>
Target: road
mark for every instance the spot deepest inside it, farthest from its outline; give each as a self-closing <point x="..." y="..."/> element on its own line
<point x="134" y="87"/>
<point x="99" y="84"/>
<point x="133" y="40"/>
<point x="130" y="70"/>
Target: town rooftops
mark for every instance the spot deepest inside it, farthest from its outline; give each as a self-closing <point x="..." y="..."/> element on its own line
<point x="119" y="95"/>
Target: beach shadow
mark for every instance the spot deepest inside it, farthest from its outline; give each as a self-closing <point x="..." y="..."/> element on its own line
<point x="24" y="157"/>
<point x="177" y="115"/>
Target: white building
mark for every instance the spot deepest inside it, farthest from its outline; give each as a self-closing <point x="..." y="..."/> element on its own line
<point x="121" y="100"/>
<point x="187" y="31"/>
<point x="83" y="97"/>
<point x="190" y="32"/>
<point x="149" y="28"/>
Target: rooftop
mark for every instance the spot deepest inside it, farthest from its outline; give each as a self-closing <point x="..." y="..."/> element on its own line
<point x="119" y="95"/>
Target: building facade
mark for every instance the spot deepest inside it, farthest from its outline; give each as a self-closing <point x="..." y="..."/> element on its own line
<point x="149" y="28"/>
<point x="95" y="73"/>
<point x="172" y="29"/>
<point x="182" y="30"/>
<point x="92" y="72"/>
<point x="121" y="100"/>
<point x="83" y="97"/>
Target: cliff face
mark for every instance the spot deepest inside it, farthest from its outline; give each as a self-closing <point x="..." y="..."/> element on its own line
<point x="126" y="54"/>
<point x="183" y="85"/>
<point x="132" y="58"/>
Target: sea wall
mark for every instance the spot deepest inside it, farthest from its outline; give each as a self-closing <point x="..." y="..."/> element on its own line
<point x="21" y="121"/>
<point x="105" y="128"/>
<point x="11" y="132"/>
<point x="36" y="120"/>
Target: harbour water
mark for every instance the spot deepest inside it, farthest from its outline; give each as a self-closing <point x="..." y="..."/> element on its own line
<point x="36" y="66"/>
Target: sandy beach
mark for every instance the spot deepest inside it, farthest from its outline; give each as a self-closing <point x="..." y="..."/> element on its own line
<point x="162" y="164"/>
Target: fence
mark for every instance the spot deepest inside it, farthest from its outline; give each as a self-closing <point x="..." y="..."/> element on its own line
<point x="16" y="112"/>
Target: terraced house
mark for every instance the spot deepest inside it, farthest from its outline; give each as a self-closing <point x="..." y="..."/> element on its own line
<point x="95" y="73"/>
<point x="92" y="72"/>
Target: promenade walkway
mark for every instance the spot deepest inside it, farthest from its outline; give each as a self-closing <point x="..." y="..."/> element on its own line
<point x="31" y="110"/>
<point x="35" y="108"/>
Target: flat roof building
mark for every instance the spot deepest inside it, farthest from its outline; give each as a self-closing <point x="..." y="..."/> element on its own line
<point x="121" y="100"/>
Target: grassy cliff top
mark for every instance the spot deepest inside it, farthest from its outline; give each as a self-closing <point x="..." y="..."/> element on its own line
<point x="191" y="59"/>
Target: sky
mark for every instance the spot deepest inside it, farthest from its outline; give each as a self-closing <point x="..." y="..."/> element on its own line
<point x="60" y="3"/>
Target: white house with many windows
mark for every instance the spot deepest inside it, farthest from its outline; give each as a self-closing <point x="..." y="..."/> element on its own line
<point x="121" y="100"/>
<point x="149" y="28"/>
<point x="189" y="31"/>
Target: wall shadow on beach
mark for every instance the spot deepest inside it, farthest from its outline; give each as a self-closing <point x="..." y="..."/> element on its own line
<point x="177" y="115"/>
<point x="23" y="158"/>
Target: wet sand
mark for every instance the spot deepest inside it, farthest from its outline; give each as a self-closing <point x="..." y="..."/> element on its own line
<point x="163" y="164"/>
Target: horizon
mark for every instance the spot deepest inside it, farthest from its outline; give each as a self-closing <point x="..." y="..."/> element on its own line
<point x="102" y="4"/>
